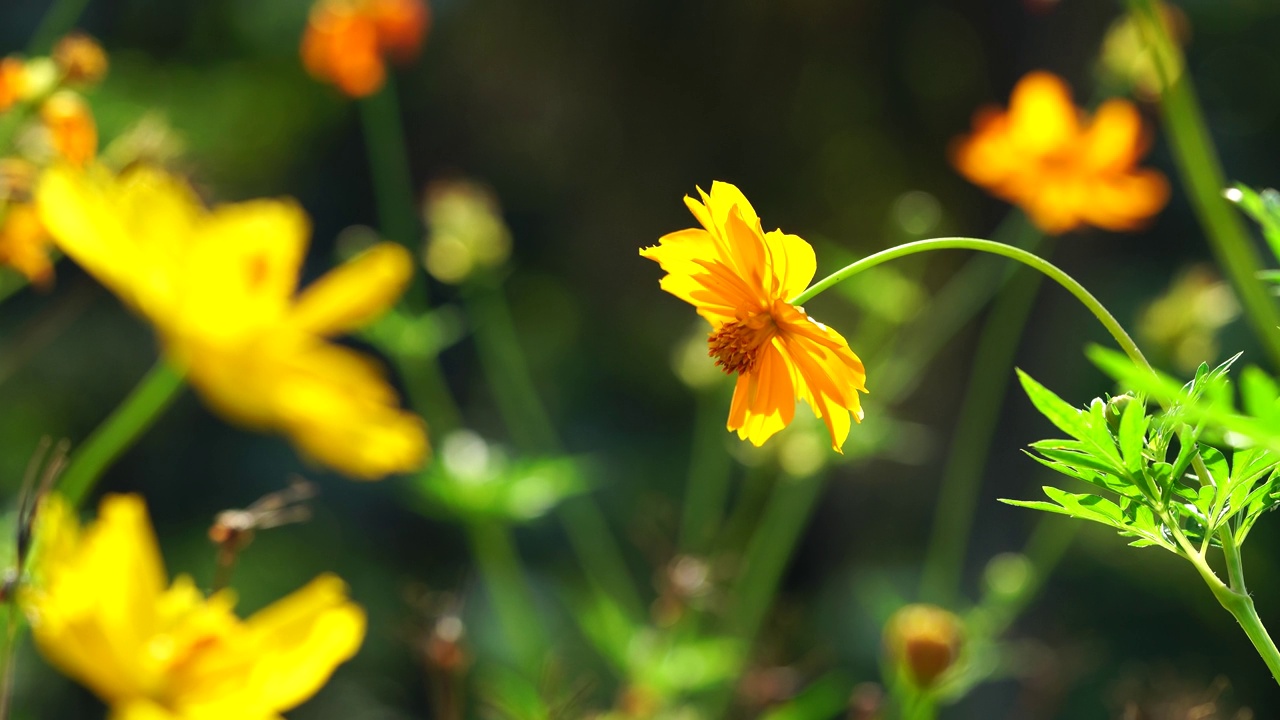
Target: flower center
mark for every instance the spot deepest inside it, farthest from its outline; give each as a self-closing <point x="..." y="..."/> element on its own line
<point x="736" y="345"/>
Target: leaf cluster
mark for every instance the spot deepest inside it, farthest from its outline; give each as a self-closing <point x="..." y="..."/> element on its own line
<point x="1155" y="479"/>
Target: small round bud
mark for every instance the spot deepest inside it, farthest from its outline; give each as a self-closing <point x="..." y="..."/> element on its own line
<point x="81" y="59"/>
<point x="923" y="641"/>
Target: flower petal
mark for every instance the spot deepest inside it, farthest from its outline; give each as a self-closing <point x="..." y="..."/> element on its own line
<point x="355" y="293"/>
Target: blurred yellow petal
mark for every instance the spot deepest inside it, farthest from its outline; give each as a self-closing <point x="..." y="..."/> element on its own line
<point x="1041" y="116"/>
<point x="356" y="292"/>
<point x="99" y="613"/>
<point x="302" y="638"/>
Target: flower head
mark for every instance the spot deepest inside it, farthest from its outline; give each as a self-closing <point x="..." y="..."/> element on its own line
<point x="24" y="243"/>
<point x="1064" y="172"/>
<point x="73" y="134"/>
<point x="220" y="288"/>
<point x="102" y="611"/>
<point x="345" y="40"/>
<point x="80" y="59"/>
<point x="740" y="278"/>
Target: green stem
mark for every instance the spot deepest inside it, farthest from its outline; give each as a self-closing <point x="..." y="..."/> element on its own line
<point x="499" y="564"/>
<point x="1201" y="172"/>
<point x="1032" y="260"/>
<point x="503" y="360"/>
<point x="979" y="412"/>
<point x="771" y="545"/>
<point x="389" y="166"/>
<point x="710" y="472"/>
<point x="120" y="430"/>
<point x="57" y="21"/>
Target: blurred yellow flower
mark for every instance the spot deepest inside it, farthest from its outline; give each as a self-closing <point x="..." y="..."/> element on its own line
<point x="739" y="278"/>
<point x="1061" y="171"/>
<point x="100" y="612"/>
<point x="219" y="286"/>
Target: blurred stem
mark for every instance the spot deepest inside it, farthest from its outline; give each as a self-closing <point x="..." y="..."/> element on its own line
<point x="530" y="426"/>
<point x="508" y="591"/>
<point x="389" y="165"/>
<point x="138" y="412"/>
<point x="504" y="364"/>
<point x="1037" y="263"/>
<point x="779" y="530"/>
<point x="428" y="391"/>
<point x="920" y="705"/>
<point x="971" y="444"/>
<point x="1202" y="174"/>
<point x="710" y="470"/>
<point x="57" y="21"/>
<point x="398" y="221"/>
<point x="1044" y="550"/>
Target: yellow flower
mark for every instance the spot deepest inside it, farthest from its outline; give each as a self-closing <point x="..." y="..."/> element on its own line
<point x="739" y="278"/>
<point x="1063" y="173"/>
<point x="100" y="612"/>
<point x="219" y="286"/>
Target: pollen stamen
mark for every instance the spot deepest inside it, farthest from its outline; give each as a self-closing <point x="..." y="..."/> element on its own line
<point x="736" y="345"/>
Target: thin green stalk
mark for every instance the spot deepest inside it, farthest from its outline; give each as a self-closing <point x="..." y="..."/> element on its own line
<point x="503" y="360"/>
<point x="780" y="528"/>
<point x="979" y="412"/>
<point x="389" y="165"/>
<point x="1032" y="260"/>
<point x="1201" y="172"/>
<point x="710" y="472"/>
<point x="120" y="430"/>
<point x="530" y="425"/>
<point x="499" y="564"/>
<point x="57" y="21"/>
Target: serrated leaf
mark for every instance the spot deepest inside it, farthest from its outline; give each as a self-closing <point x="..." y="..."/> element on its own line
<point x="1133" y="434"/>
<point x="1088" y="507"/>
<point x="1056" y="410"/>
<point x="1036" y="505"/>
<point x="1263" y="208"/>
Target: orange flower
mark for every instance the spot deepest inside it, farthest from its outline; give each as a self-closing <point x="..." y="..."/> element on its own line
<point x="739" y="278"/>
<point x="345" y="40"/>
<point x="72" y="131"/>
<point x="25" y="243"/>
<point x="1063" y="171"/>
<point x="13" y="82"/>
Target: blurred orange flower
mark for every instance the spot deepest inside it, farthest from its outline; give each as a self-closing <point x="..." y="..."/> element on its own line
<point x="13" y="81"/>
<point x="345" y="40"/>
<point x="72" y="130"/>
<point x="739" y="278"/>
<point x="25" y="243"/>
<point x="1062" y="170"/>
<point x="80" y="59"/>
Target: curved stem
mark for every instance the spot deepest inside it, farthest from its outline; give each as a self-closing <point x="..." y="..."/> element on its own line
<point x="1032" y="260"/>
<point x="508" y="591"/>
<point x="120" y="430"/>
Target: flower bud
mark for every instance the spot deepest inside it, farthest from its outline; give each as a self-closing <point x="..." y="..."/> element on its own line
<point x="80" y="58"/>
<point x="72" y="131"/>
<point x="923" y="641"/>
<point x="402" y="25"/>
<point x="466" y="231"/>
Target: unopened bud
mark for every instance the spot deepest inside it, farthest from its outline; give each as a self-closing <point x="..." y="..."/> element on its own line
<point x="466" y="231"/>
<point x="924" y="641"/>
<point x="81" y="59"/>
<point x="72" y="131"/>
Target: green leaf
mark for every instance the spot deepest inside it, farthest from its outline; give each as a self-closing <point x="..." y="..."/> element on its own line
<point x="1263" y="207"/>
<point x="1133" y="434"/>
<point x="1036" y="505"/>
<point x="1058" y="411"/>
